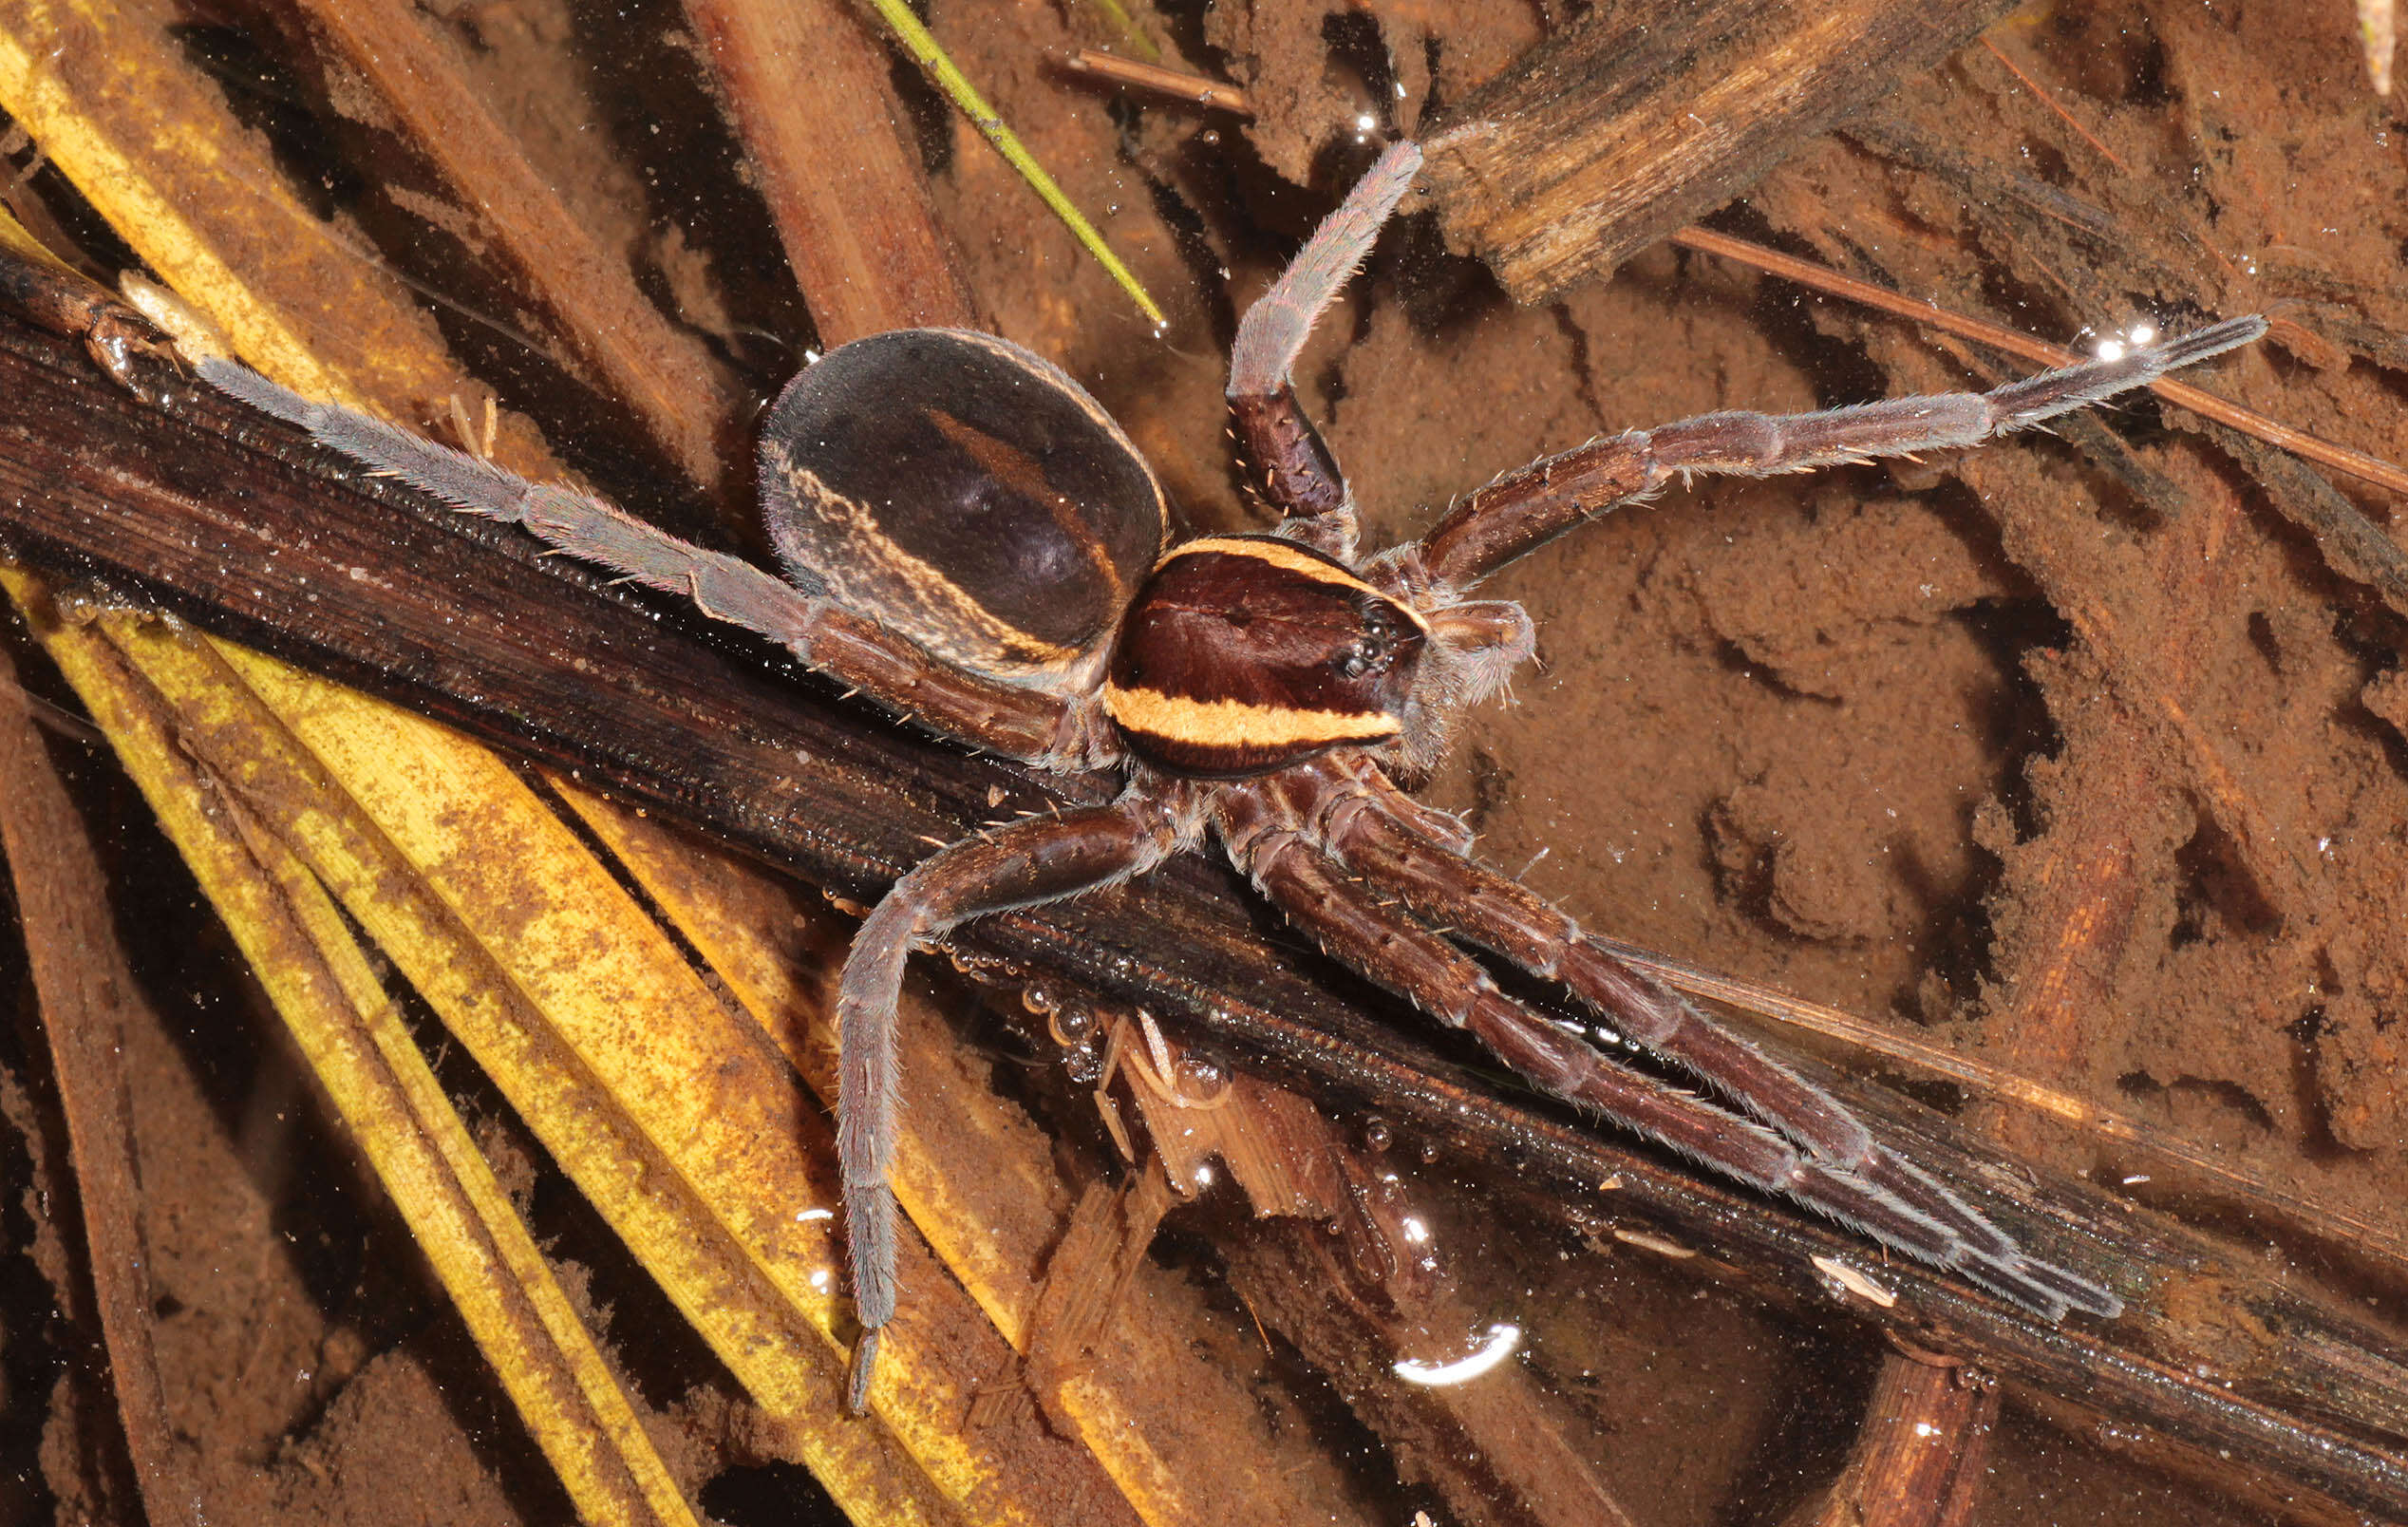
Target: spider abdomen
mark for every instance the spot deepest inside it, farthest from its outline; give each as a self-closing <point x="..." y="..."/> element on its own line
<point x="1244" y="653"/>
<point x="963" y="491"/>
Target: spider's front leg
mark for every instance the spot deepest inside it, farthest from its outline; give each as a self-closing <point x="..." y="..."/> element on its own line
<point x="1523" y="510"/>
<point x="1035" y="860"/>
<point x="1278" y="440"/>
<point x="1416" y="962"/>
<point x="1353" y="812"/>
<point x="1270" y="830"/>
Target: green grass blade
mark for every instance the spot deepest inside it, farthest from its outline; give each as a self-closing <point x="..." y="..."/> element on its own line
<point x="931" y="58"/>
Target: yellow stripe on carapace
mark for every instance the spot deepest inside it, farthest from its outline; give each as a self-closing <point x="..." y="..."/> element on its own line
<point x="1287" y="558"/>
<point x="1237" y="724"/>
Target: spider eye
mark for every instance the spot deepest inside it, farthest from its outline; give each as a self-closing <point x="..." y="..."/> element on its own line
<point x="1371" y="650"/>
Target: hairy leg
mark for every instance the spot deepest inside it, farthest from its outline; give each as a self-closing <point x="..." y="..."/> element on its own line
<point x="1034" y="860"/>
<point x="1525" y="509"/>
<point x="1019" y="723"/>
<point x="1298" y="473"/>
<point x="1888" y="1201"/>
<point x="1372" y="828"/>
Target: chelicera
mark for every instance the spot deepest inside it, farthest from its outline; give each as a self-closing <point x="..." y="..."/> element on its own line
<point x="971" y="541"/>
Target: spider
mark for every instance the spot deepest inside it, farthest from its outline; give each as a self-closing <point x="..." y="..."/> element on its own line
<point x="971" y="541"/>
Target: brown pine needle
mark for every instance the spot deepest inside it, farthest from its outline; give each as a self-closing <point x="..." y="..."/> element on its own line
<point x="2045" y="97"/>
<point x="1173" y="85"/>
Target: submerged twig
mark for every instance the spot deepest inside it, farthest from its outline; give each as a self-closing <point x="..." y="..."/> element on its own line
<point x="1171" y="84"/>
<point x="1921" y="1452"/>
<point x="89" y="998"/>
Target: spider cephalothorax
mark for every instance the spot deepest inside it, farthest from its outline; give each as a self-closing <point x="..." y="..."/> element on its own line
<point x="1247" y="653"/>
<point x="973" y="543"/>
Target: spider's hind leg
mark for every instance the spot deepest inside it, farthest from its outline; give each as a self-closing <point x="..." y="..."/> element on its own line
<point x="1298" y="473"/>
<point x="1031" y="861"/>
<point x="1019" y="722"/>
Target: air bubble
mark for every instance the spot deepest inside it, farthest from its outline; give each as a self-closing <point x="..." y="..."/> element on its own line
<point x="1199" y="1077"/>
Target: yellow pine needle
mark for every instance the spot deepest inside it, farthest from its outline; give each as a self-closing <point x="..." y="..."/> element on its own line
<point x="152" y="690"/>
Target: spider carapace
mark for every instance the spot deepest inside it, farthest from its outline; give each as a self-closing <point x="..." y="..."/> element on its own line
<point x="971" y="541"/>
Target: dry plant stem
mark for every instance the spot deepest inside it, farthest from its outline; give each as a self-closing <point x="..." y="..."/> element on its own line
<point x="482" y="633"/>
<point x="89" y="996"/>
<point x="863" y="242"/>
<point x="610" y="1113"/>
<point x="323" y="987"/>
<point x="1920" y="1457"/>
<point x="1631" y="124"/>
<point x="667" y="377"/>
<point x="1168" y="84"/>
